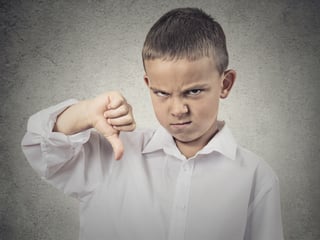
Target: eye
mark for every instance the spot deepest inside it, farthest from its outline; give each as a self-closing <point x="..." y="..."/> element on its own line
<point x="194" y="92"/>
<point x="161" y="94"/>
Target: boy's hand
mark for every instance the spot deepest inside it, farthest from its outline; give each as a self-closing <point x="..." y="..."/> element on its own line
<point x="110" y="113"/>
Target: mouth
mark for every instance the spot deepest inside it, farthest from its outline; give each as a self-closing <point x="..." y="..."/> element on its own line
<point x="180" y="125"/>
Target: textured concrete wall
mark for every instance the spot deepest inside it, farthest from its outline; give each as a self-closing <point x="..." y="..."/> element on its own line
<point x="54" y="50"/>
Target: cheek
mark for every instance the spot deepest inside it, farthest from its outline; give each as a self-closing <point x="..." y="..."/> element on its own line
<point x="159" y="110"/>
<point x="206" y="110"/>
<point x="161" y="117"/>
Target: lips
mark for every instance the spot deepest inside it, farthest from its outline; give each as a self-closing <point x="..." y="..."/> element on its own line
<point x="180" y="125"/>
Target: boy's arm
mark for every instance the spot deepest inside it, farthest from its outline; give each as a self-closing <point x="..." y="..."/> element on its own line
<point x="108" y="113"/>
<point x="264" y="219"/>
<point x="77" y="163"/>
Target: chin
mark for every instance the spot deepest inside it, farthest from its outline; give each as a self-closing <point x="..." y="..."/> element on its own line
<point x="185" y="139"/>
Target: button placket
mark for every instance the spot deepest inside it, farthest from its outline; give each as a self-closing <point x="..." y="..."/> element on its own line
<point x="180" y="203"/>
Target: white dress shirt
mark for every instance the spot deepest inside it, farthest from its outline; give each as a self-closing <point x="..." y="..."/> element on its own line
<point x="224" y="192"/>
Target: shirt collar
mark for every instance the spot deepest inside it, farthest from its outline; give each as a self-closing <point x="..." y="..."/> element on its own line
<point x="161" y="140"/>
<point x="223" y="142"/>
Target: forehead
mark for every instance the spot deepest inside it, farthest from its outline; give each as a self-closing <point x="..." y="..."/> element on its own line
<point x="161" y="65"/>
<point x="181" y="72"/>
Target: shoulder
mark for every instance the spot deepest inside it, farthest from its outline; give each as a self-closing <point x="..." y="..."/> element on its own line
<point x="261" y="168"/>
<point x="264" y="177"/>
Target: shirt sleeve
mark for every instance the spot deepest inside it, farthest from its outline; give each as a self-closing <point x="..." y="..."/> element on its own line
<point x="75" y="163"/>
<point x="264" y="214"/>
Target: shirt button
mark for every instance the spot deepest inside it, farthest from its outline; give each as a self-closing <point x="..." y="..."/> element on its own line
<point x="186" y="168"/>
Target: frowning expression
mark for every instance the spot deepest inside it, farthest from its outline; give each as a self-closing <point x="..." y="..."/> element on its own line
<point x="185" y="96"/>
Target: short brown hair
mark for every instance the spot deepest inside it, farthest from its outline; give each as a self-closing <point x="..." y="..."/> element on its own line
<point x="186" y="33"/>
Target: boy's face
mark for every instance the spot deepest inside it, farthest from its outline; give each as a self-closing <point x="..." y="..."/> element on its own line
<point x="185" y="96"/>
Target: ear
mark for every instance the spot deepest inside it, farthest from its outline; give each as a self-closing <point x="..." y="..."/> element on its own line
<point x="146" y="80"/>
<point x="229" y="77"/>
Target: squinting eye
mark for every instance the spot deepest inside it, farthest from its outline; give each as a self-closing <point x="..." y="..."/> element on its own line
<point x="194" y="91"/>
<point x="161" y="94"/>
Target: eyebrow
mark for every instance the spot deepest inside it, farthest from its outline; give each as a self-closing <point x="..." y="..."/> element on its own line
<point x="196" y="86"/>
<point x="156" y="89"/>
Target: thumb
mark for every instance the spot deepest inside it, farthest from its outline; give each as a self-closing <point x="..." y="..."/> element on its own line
<point x="116" y="144"/>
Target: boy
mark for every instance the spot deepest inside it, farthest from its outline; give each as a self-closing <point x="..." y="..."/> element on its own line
<point x="188" y="179"/>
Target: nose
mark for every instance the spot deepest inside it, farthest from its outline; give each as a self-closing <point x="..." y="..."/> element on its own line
<point x="178" y="107"/>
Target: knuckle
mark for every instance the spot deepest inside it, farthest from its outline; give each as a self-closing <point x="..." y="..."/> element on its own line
<point x="125" y="109"/>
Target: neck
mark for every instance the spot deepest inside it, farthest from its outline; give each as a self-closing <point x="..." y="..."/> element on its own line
<point x="190" y="149"/>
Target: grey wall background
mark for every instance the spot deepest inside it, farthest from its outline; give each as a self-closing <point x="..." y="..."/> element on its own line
<point x="55" y="50"/>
